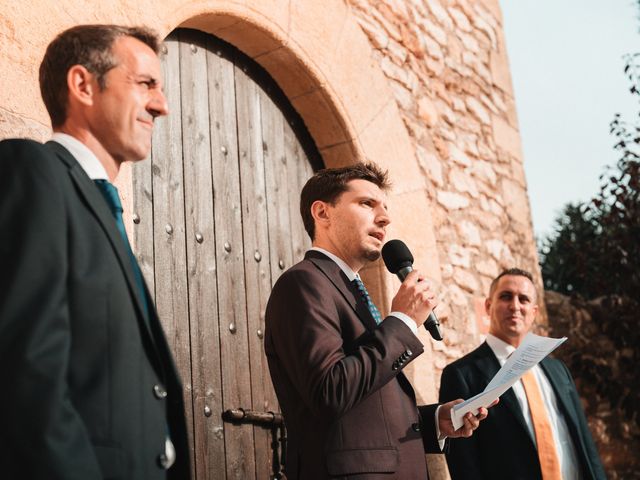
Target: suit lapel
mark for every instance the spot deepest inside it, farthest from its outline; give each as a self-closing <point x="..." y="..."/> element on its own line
<point x="488" y="365"/>
<point x="99" y="208"/>
<point x="560" y="387"/>
<point x="337" y="277"/>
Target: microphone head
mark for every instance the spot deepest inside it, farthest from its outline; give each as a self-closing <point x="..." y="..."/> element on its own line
<point x="396" y="255"/>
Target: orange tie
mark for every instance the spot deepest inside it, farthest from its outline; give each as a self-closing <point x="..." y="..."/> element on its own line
<point x="547" y="453"/>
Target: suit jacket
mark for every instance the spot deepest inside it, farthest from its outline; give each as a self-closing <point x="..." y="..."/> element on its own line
<point x="89" y="386"/>
<point x="502" y="447"/>
<point x="349" y="410"/>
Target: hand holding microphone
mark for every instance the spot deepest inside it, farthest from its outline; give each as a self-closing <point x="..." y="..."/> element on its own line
<point x="414" y="297"/>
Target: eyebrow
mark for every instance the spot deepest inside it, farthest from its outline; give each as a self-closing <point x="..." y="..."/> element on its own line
<point x="154" y="81"/>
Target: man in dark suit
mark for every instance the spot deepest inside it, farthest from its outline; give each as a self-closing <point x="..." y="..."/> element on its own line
<point x="522" y="439"/>
<point x="89" y="388"/>
<point x="335" y="363"/>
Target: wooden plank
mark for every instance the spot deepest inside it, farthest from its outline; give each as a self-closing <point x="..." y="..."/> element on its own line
<point x="277" y="181"/>
<point x="143" y="219"/>
<point x="201" y="259"/>
<point x="169" y="227"/>
<point x="299" y="171"/>
<point x="256" y="258"/>
<point x="236" y="386"/>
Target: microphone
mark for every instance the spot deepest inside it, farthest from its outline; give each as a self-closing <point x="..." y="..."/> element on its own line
<point x="399" y="261"/>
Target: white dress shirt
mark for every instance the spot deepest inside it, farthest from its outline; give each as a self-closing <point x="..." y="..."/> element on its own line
<point x="567" y="455"/>
<point x="85" y="157"/>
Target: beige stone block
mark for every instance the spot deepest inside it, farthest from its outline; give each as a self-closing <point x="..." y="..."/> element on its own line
<point x="478" y="110"/>
<point x="432" y="47"/>
<point x="460" y="19"/>
<point x="411" y="221"/>
<point x="340" y="155"/>
<point x="469" y="233"/>
<point x="437" y="33"/>
<point x="484" y="171"/>
<point x="411" y="39"/>
<point x="459" y="256"/>
<point x="506" y="137"/>
<point x="440" y="14"/>
<point x="452" y="201"/>
<point x="252" y="40"/>
<point x="427" y="111"/>
<point x="385" y="141"/>
<point x="499" y="67"/>
<point x="492" y="12"/>
<point x="469" y="42"/>
<point x="487" y="267"/>
<point x="462" y="182"/>
<point x="458" y="156"/>
<point x="466" y="280"/>
<point x="431" y="166"/>
<point x="324" y="122"/>
<point x="515" y="196"/>
<point x="377" y="36"/>
<point x="387" y="22"/>
<point x="290" y="74"/>
<point x="396" y="52"/>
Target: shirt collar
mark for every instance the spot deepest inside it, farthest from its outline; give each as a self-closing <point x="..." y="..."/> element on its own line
<point x="351" y="275"/>
<point x="500" y="348"/>
<point x="85" y="157"/>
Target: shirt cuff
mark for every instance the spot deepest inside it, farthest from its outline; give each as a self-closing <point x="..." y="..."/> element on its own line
<point x="407" y="320"/>
<point x="443" y="439"/>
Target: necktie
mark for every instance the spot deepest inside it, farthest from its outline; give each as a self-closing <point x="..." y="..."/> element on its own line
<point x="367" y="300"/>
<point x="547" y="453"/>
<point x="110" y="194"/>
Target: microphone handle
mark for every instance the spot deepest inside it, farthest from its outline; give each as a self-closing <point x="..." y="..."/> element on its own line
<point x="432" y="324"/>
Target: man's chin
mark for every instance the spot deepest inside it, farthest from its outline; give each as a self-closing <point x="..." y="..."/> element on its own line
<point x="372" y="255"/>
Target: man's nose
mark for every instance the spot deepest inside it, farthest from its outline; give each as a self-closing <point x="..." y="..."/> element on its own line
<point x="382" y="218"/>
<point x="158" y="105"/>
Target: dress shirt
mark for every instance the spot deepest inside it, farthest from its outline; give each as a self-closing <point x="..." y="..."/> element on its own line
<point x="85" y="157"/>
<point x="351" y="275"/>
<point x="567" y="454"/>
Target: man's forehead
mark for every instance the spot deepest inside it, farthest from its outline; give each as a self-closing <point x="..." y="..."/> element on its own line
<point x="137" y="55"/>
<point x="515" y="283"/>
<point x="365" y="187"/>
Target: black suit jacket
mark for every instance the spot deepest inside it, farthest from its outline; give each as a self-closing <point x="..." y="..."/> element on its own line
<point x="349" y="410"/>
<point x="89" y="388"/>
<point x="502" y="448"/>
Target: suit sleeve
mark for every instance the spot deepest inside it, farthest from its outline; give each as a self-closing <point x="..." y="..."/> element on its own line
<point x="42" y="433"/>
<point x="306" y="330"/>
<point x="463" y="453"/>
<point x="591" y="451"/>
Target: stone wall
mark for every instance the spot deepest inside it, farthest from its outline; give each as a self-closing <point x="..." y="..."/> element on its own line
<point x="447" y="65"/>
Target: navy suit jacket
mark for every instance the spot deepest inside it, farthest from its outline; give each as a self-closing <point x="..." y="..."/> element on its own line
<point x="89" y="385"/>
<point x="502" y="447"/>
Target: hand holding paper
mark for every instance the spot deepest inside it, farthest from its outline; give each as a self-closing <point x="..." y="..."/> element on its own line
<point x="530" y="352"/>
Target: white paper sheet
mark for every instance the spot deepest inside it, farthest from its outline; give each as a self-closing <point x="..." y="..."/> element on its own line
<point x="532" y="349"/>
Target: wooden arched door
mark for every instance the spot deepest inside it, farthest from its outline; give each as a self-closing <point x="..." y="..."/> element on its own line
<point x="216" y="220"/>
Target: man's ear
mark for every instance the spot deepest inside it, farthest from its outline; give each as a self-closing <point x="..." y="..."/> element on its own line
<point x="320" y="212"/>
<point x="487" y="305"/>
<point x="81" y="85"/>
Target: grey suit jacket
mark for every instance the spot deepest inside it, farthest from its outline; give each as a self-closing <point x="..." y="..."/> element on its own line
<point x="349" y="410"/>
<point x="90" y="390"/>
<point x="502" y="447"/>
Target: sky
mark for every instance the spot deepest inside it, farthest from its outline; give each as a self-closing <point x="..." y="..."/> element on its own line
<point x="567" y="65"/>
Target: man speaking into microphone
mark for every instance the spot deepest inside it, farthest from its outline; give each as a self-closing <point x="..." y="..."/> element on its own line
<point x="336" y="364"/>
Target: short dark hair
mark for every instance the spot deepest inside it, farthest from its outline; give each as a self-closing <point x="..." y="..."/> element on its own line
<point x="89" y="46"/>
<point x="518" y="272"/>
<point x="328" y="184"/>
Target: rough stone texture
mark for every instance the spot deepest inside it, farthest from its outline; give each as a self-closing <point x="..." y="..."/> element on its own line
<point x="616" y="435"/>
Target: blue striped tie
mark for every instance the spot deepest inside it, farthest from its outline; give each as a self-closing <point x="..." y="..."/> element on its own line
<point x="367" y="299"/>
<point x="110" y="194"/>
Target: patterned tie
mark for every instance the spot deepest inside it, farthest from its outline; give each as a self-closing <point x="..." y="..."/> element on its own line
<point x="547" y="453"/>
<point x="110" y="194"/>
<point x="367" y="299"/>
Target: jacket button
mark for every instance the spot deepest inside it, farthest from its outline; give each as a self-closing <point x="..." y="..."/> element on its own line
<point x="415" y="427"/>
<point x="408" y="352"/>
<point x="394" y="366"/>
<point x="159" y="392"/>
<point x="163" y="461"/>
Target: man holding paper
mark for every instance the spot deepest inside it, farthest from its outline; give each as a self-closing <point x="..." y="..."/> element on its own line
<point x="538" y="430"/>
